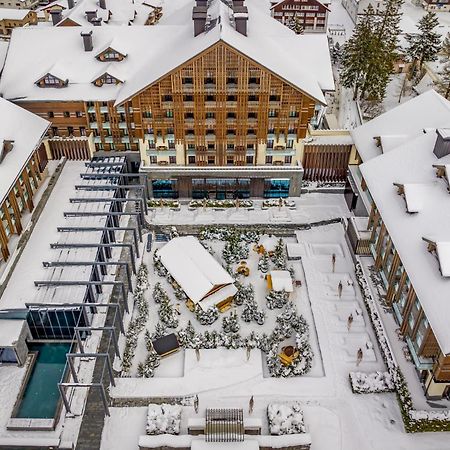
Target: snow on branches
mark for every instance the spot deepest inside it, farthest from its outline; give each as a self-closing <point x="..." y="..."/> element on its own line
<point x="285" y="418"/>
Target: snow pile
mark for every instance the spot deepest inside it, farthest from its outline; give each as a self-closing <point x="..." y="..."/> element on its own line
<point x="163" y="202"/>
<point x="163" y="419"/>
<point x="430" y="415"/>
<point x="369" y="383"/>
<point x="285" y="418"/>
<point x="206" y="203"/>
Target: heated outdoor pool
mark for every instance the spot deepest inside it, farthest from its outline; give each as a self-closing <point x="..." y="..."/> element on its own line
<point x="41" y="395"/>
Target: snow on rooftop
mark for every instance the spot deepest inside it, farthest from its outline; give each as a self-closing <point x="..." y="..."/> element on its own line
<point x="281" y="281"/>
<point x="443" y="253"/>
<point x="147" y="58"/>
<point x="13" y="121"/>
<point x="414" y="197"/>
<point x="412" y="163"/>
<point x="13" y="14"/>
<point x="193" y="267"/>
<point x="428" y="110"/>
<point x="10" y="330"/>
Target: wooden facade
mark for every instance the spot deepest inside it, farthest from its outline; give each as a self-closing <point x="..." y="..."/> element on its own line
<point x="312" y="15"/>
<point x="408" y="312"/>
<point x="7" y="24"/>
<point x="19" y="200"/>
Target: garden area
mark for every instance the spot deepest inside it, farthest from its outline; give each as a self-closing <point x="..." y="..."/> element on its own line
<point x="262" y="314"/>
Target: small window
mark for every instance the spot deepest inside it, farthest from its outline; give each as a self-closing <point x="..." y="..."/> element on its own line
<point x="191" y="159"/>
<point x="82" y="131"/>
<point x="211" y="147"/>
<point x="78" y="114"/>
<point x="249" y="159"/>
<point x="252" y="98"/>
<point x="55" y="131"/>
<point x="172" y="159"/>
<point x="153" y="159"/>
<point x="210" y="98"/>
<point x="288" y="159"/>
<point x="51" y="114"/>
<point x="189" y="115"/>
<point x="252" y="115"/>
<point x="230" y="160"/>
<point x="269" y="159"/>
<point x="167" y="98"/>
<point x="188" y="98"/>
<point x="188" y="80"/>
<point x="211" y="160"/>
<point x="66" y="114"/>
<point x="169" y="113"/>
<point x="231" y="115"/>
<point x="210" y="115"/>
<point x="231" y="98"/>
<point x="70" y="131"/>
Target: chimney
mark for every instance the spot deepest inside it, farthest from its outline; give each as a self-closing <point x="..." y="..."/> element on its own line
<point x="90" y="15"/>
<point x="102" y="4"/>
<point x="96" y="21"/>
<point x="201" y="3"/>
<point x="56" y="16"/>
<point x="87" y="40"/>
<point x="238" y="3"/>
<point x="240" y="18"/>
<point x="442" y="145"/>
<point x="70" y="3"/>
<point x="199" y="17"/>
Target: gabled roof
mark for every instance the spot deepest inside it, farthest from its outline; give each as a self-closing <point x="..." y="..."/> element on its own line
<point x="412" y="164"/>
<point x="290" y="1"/>
<point x="14" y="120"/>
<point x="148" y="59"/>
<point x="405" y="121"/>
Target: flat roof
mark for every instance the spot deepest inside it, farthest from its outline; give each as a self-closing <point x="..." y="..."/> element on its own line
<point x="413" y="162"/>
<point x="10" y="330"/>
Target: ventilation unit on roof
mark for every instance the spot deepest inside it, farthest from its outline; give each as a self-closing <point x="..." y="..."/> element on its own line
<point x="441" y="250"/>
<point x="5" y="147"/>
<point x="442" y="145"/>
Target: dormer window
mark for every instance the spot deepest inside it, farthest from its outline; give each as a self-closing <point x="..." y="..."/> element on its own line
<point x="441" y="250"/>
<point x="412" y="193"/>
<point x="49" y="80"/>
<point x="111" y="54"/>
<point x="107" y="78"/>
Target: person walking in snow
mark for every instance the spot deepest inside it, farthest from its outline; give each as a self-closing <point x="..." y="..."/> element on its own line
<point x="333" y="261"/>
<point x="251" y="404"/>
<point x="340" y="289"/>
<point x="359" y="356"/>
<point x="349" y="321"/>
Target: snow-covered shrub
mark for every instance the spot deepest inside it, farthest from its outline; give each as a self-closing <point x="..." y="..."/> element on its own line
<point x="230" y="324"/>
<point x="263" y="263"/>
<point x="207" y="317"/>
<point x="279" y="257"/>
<point x="244" y="292"/>
<point x="235" y="250"/>
<point x="285" y="418"/>
<point x="163" y="419"/>
<point x="147" y="368"/>
<point x="369" y="383"/>
<point x="276" y="299"/>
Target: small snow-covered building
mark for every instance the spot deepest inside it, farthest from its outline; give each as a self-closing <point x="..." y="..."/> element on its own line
<point x="280" y="280"/>
<point x="13" y="346"/>
<point x="197" y="272"/>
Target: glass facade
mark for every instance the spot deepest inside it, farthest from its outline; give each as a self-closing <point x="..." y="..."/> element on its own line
<point x="220" y="188"/>
<point x="276" y="187"/>
<point x="55" y="323"/>
<point x="165" y="188"/>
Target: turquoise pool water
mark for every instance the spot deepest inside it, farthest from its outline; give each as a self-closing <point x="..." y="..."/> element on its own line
<point x="41" y="395"/>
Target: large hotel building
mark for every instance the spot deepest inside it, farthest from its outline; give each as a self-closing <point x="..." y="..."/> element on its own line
<point x="223" y="114"/>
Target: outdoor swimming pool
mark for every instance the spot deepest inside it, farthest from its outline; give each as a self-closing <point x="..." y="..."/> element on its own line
<point x="41" y="395"/>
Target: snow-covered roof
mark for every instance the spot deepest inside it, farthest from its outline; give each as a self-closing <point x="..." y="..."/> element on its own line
<point x="412" y="163"/>
<point x="414" y="196"/>
<point x="193" y="267"/>
<point x="443" y="254"/>
<point x="26" y="130"/>
<point x="148" y="59"/>
<point x="3" y="51"/>
<point x="13" y="14"/>
<point x="428" y="110"/>
<point x="281" y="281"/>
<point x="10" y="330"/>
<point x="268" y="242"/>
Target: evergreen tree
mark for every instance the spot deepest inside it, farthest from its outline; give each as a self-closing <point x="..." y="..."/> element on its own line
<point x="424" y="46"/>
<point x="444" y="85"/>
<point x="230" y="324"/>
<point x="368" y="56"/>
<point x="168" y="314"/>
<point x="276" y="299"/>
<point x="244" y="292"/>
<point x="207" y="317"/>
<point x="263" y="263"/>
<point x="296" y="25"/>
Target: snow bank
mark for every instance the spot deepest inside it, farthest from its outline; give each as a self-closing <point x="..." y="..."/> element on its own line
<point x="291" y="440"/>
<point x="369" y="383"/>
<point x="285" y="418"/>
<point x="163" y="419"/>
<point x="430" y="415"/>
<point x="165" y="440"/>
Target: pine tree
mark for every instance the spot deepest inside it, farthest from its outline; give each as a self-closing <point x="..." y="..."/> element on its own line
<point x="244" y="292"/>
<point x="276" y="299"/>
<point x="424" y="46"/>
<point x="296" y="25"/>
<point x="230" y="324"/>
<point x="248" y="312"/>
<point x="263" y="263"/>
<point x="444" y="84"/>
<point x="207" y="317"/>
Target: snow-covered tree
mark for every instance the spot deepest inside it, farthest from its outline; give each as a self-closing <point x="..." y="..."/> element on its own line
<point x="207" y="317"/>
<point x="424" y="45"/>
<point x="244" y="292"/>
<point x="230" y="324"/>
<point x="168" y="314"/>
<point x="235" y="249"/>
<point x="263" y="263"/>
<point x="147" y="368"/>
<point x="279" y="255"/>
<point x="276" y="299"/>
<point x="296" y="25"/>
<point x="159" y="294"/>
<point x="444" y="83"/>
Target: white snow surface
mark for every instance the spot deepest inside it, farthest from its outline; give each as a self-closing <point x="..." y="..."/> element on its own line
<point x="443" y="253"/>
<point x="10" y="332"/>
<point x="412" y="163"/>
<point x="14" y="120"/>
<point x="281" y="280"/>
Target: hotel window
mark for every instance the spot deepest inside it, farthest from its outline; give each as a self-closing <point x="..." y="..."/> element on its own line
<point x="171" y="143"/>
<point x="70" y="131"/>
<point x="269" y="159"/>
<point x="167" y="98"/>
<point x="272" y="113"/>
<point x="269" y="143"/>
<point x="188" y="80"/>
<point x="249" y="159"/>
<point x="288" y="159"/>
<point x="188" y="98"/>
<point x="169" y="113"/>
<point x="78" y="114"/>
<point x="290" y="143"/>
<point x="191" y="147"/>
<point x="231" y="115"/>
<point x="66" y="114"/>
<point x="231" y="98"/>
<point x="252" y="115"/>
<point x="230" y="160"/>
<point x="252" y="98"/>
<point x="82" y="131"/>
<point x="293" y="113"/>
<point x="51" y="114"/>
<point x="231" y="80"/>
<point x="210" y="115"/>
<point x="253" y="80"/>
<point x="210" y="98"/>
<point x="153" y="159"/>
<point x="211" y="160"/>
<point x="172" y="159"/>
<point x="189" y="115"/>
<point x="191" y="159"/>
